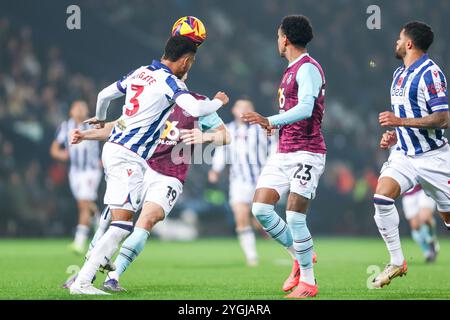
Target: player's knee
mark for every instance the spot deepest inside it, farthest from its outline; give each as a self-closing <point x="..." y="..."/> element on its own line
<point x="388" y="187"/>
<point x="262" y="211"/>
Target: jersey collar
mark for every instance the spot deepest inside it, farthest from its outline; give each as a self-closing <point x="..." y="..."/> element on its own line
<point x="298" y="59"/>
<point x="416" y="64"/>
<point x="158" y="65"/>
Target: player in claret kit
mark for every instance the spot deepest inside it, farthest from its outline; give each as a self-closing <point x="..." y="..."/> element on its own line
<point x="300" y="160"/>
<point x="85" y="170"/>
<point x="150" y="95"/>
<point x="166" y="173"/>
<point x="419" y="103"/>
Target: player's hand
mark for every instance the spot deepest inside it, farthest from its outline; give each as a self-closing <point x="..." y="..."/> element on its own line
<point x="256" y="118"/>
<point x="389" y="119"/>
<point x="270" y="130"/>
<point x="194" y="136"/>
<point x="98" y="124"/>
<point x="222" y="97"/>
<point x="76" y="136"/>
<point x="388" y="139"/>
<point x="213" y="176"/>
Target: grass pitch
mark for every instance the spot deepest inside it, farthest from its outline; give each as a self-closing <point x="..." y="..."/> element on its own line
<point x="215" y="269"/>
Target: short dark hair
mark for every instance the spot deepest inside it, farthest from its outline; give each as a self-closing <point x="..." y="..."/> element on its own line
<point x="420" y="33"/>
<point x="297" y="29"/>
<point x="177" y="47"/>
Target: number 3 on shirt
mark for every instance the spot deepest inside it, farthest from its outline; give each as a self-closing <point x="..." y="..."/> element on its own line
<point x="134" y="100"/>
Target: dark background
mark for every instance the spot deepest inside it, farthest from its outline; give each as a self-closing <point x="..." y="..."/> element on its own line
<point x="44" y="66"/>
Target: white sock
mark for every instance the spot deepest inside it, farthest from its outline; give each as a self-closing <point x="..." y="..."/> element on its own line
<point x="103" y="225"/>
<point x="387" y="220"/>
<point x="247" y="241"/>
<point x="307" y="275"/>
<point x="81" y="235"/>
<point x="104" y="250"/>
<point x="113" y="275"/>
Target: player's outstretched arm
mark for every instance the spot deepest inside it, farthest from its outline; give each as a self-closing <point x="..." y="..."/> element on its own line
<point x="436" y="120"/>
<point x="103" y="100"/>
<point x="219" y="136"/>
<point x="198" y="108"/>
<point x="102" y="134"/>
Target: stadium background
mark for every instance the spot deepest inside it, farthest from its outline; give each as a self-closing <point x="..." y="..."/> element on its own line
<point x="44" y="66"/>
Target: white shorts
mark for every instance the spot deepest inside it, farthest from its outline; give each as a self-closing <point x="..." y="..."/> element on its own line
<point x="431" y="170"/>
<point x="241" y="192"/>
<point x="297" y="172"/>
<point x="413" y="203"/>
<point x="84" y="184"/>
<point x="161" y="189"/>
<point x="124" y="175"/>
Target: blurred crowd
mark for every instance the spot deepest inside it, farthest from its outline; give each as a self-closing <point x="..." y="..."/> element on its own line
<point x="37" y="84"/>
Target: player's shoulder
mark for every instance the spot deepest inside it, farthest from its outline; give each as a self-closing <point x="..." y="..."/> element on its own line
<point x="398" y="71"/>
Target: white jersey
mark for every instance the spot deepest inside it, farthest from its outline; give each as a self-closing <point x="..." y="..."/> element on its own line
<point x="247" y="153"/>
<point x="417" y="92"/>
<point x="84" y="156"/>
<point x="150" y="94"/>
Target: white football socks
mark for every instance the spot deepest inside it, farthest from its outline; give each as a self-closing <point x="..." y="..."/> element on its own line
<point x="247" y="241"/>
<point x="81" y="235"/>
<point x="387" y="220"/>
<point x="104" y="250"/>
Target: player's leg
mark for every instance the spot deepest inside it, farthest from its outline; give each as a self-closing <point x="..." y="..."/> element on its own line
<point x="160" y="193"/>
<point x="263" y="209"/>
<point x="244" y="230"/>
<point x="150" y="215"/>
<point x="103" y="225"/>
<point x="124" y="177"/>
<point x="419" y="230"/>
<point x="387" y="220"/>
<point x="305" y="172"/>
<point x="83" y="227"/>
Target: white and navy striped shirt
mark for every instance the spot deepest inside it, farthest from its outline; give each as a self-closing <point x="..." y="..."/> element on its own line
<point x="247" y="153"/>
<point x="416" y="92"/>
<point x="83" y="156"/>
<point x="150" y="95"/>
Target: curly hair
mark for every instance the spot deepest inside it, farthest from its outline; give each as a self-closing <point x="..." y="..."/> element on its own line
<point x="297" y="29"/>
<point x="420" y="33"/>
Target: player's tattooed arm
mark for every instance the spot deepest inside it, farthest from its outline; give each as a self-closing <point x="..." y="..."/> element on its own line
<point x="218" y="136"/>
<point x="436" y="120"/>
<point x="78" y="136"/>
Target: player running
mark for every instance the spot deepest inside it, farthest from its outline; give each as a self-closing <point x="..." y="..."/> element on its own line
<point x="419" y="102"/>
<point x="85" y="170"/>
<point x="246" y="154"/>
<point x="300" y="160"/>
<point x="150" y="95"/>
<point x="419" y="209"/>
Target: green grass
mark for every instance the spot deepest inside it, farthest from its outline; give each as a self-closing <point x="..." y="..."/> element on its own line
<point x="215" y="269"/>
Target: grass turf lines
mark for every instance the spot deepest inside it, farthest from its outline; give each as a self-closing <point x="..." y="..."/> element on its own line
<point x="215" y="269"/>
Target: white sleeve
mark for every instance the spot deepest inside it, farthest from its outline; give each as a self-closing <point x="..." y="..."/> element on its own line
<point x="104" y="98"/>
<point x="197" y="108"/>
<point x="219" y="158"/>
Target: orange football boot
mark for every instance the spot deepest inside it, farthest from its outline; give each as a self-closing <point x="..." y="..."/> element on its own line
<point x="303" y="291"/>
<point x="294" y="277"/>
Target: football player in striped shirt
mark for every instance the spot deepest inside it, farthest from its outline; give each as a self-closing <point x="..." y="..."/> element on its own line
<point x="150" y="92"/>
<point x="164" y="179"/>
<point x="421" y="154"/>
<point x="246" y="155"/>
<point x="85" y="170"/>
